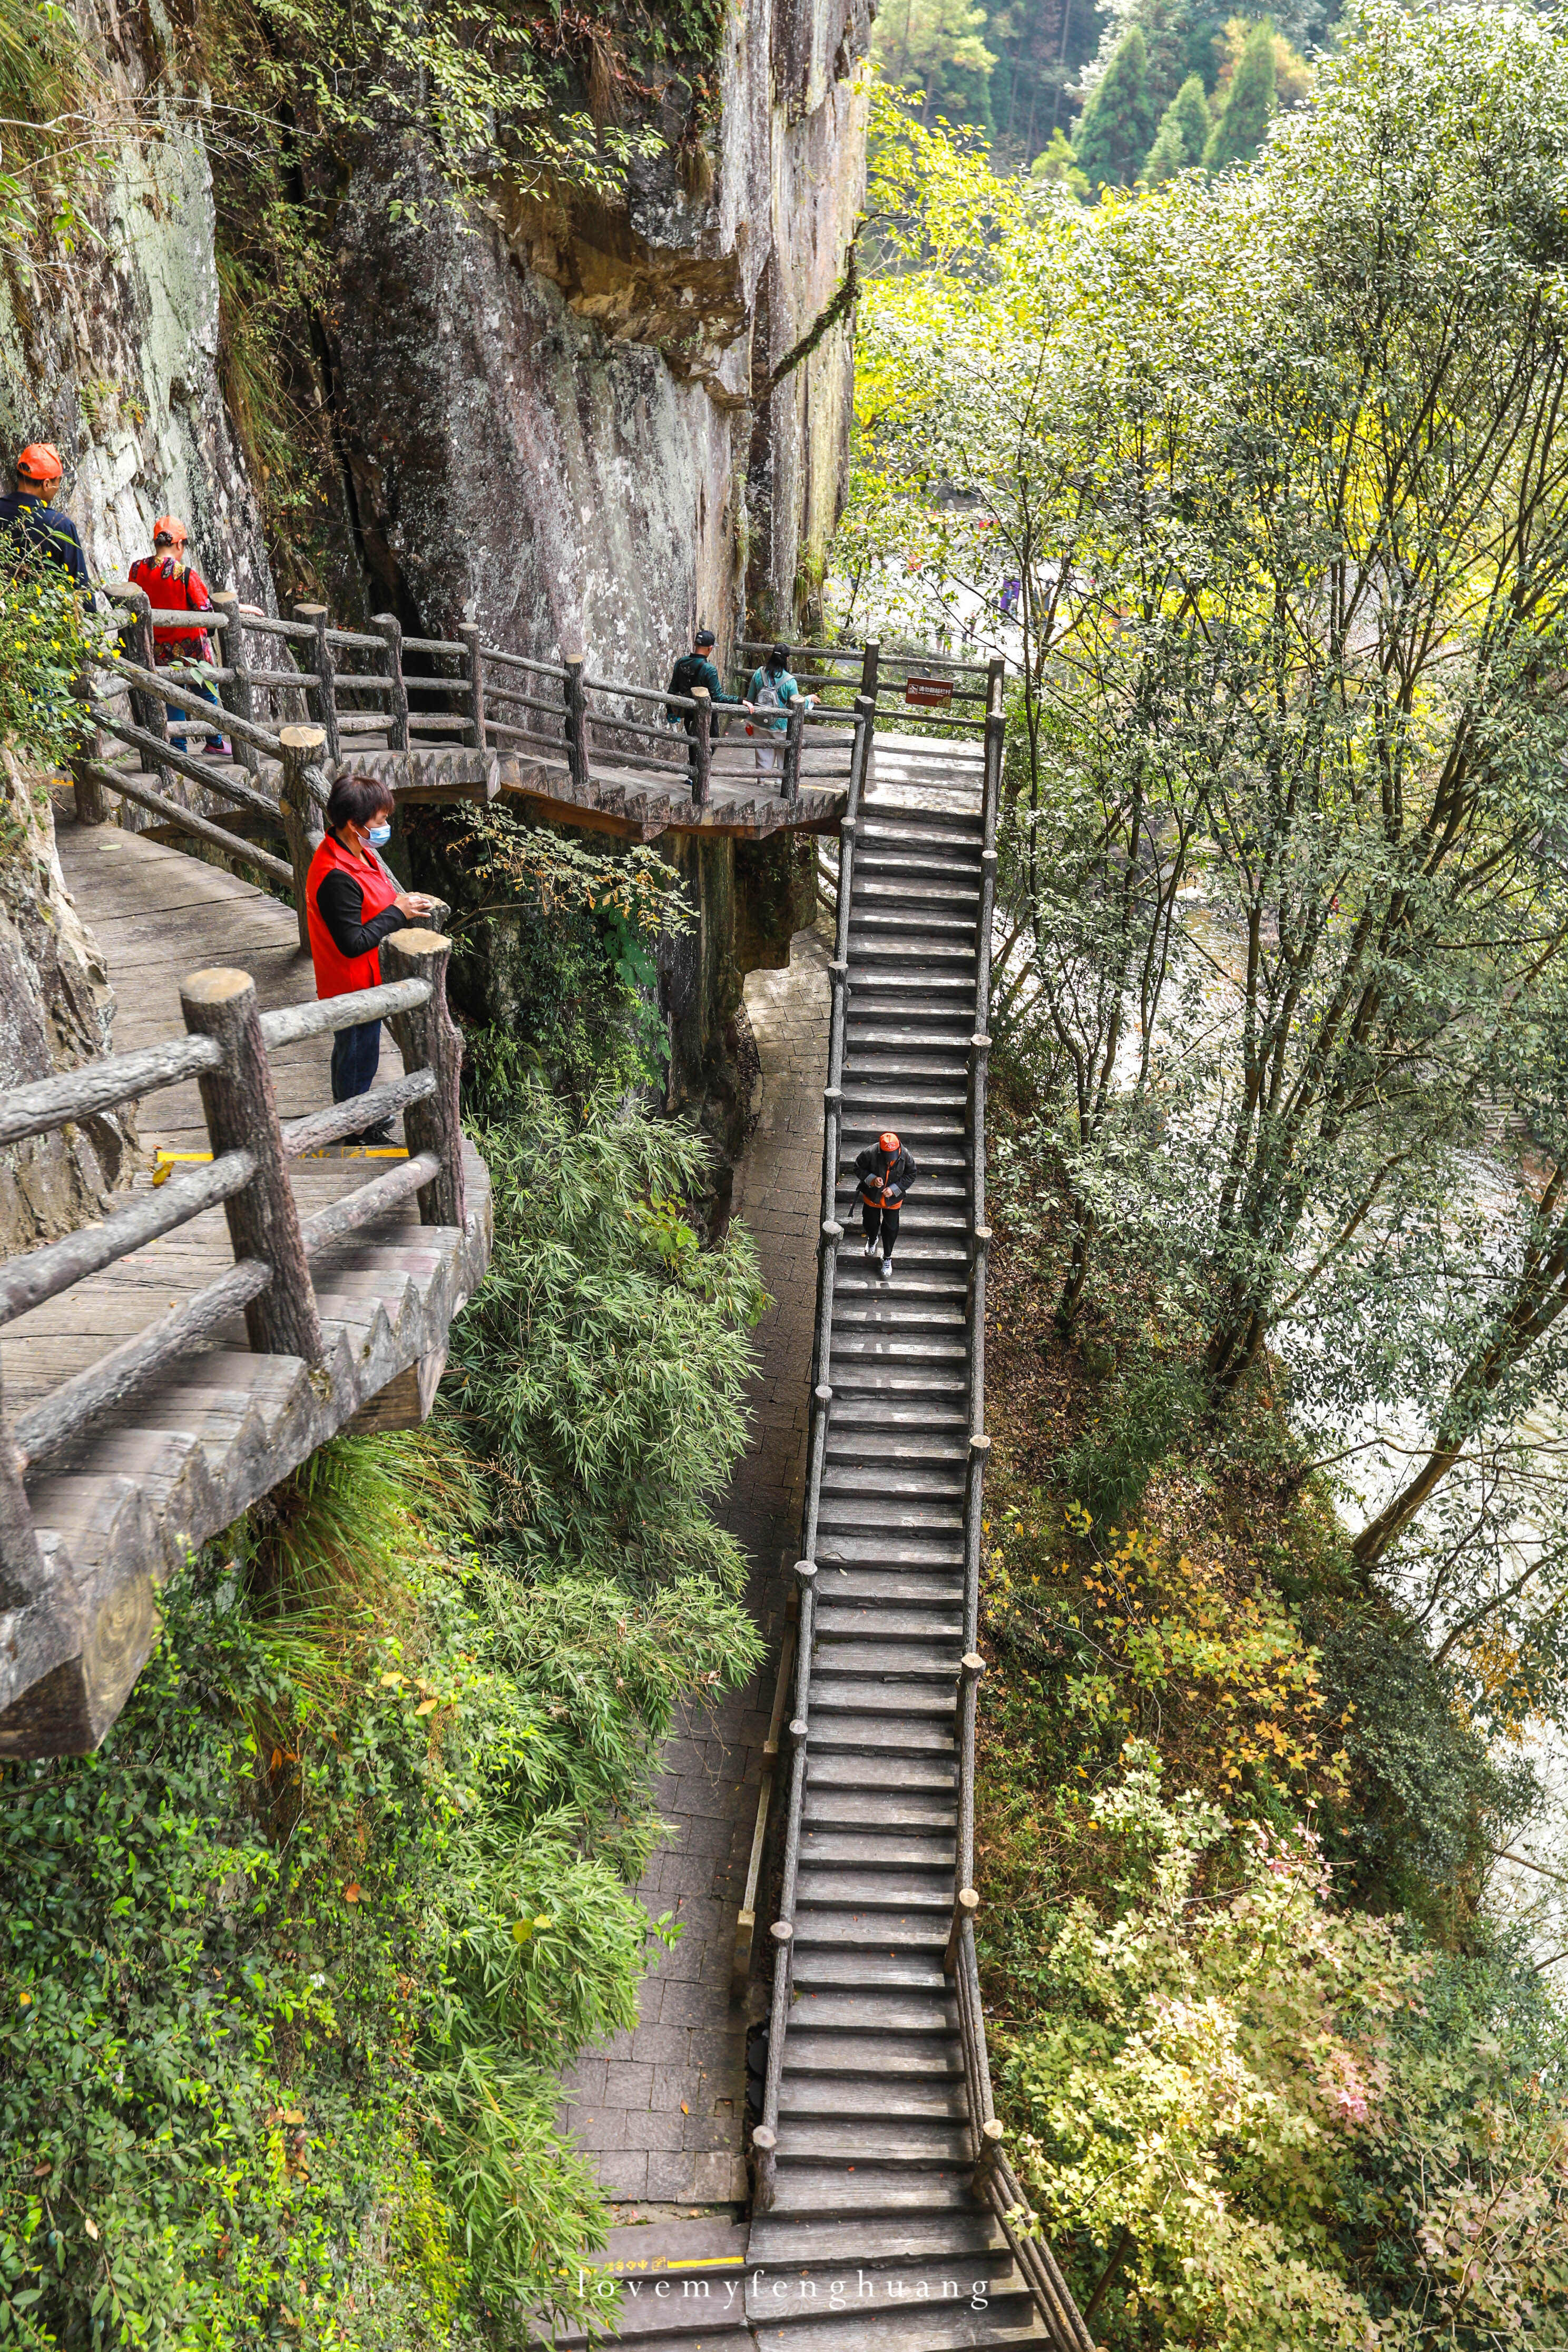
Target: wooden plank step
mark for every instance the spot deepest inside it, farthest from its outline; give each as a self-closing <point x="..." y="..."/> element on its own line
<point x="911" y="2056"/>
<point x="906" y="1849"/>
<point x="793" y="2243"/>
<point x="899" y="1555"/>
<point x="873" y="1970"/>
<point x="839" y="1730"/>
<point x="883" y="875"/>
<point x="918" y="1775"/>
<point x="916" y="2022"/>
<point x="836" y="1886"/>
<point x="920" y="2091"/>
<point x="907" y="2142"/>
<point x="871" y="1512"/>
<point x="868" y="1470"/>
<point x="914" y="1699"/>
<point x="950" y="2325"/>
<point x="867" y="1650"/>
<point x="919" y="1587"/>
<point x="935" y="1812"/>
<point x="897" y="1934"/>
<point x="829" y="2191"/>
<point x="869" y="1618"/>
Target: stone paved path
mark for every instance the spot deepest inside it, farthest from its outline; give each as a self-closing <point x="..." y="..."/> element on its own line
<point x="661" y="2108"/>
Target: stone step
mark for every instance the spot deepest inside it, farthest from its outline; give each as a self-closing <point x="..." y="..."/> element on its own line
<point x="880" y="881"/>
<point x="931" y="1811"/>
<point x="870" y="1473"/>
<point x="920" y="2093"/>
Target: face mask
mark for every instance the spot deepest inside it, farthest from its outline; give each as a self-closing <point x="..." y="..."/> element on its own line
<point x="379" y="836"/>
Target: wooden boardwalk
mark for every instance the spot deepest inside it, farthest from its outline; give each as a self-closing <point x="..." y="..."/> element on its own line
<point x="195" y="1446"/>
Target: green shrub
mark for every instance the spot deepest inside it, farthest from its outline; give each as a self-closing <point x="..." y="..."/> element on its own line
<point x="46" y="641"/>
<point x="600" y="1370"/>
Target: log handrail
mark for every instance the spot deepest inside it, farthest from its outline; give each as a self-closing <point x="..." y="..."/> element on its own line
<point x="226" y="1049"/>
<point x="764" y="2138"/>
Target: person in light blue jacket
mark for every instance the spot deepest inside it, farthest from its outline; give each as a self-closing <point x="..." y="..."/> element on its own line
<point x="771" y="692"/>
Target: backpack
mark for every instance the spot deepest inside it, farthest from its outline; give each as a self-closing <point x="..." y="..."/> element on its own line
<point x="766" y="697"/>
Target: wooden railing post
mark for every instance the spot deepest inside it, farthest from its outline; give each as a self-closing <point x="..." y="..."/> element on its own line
<point x="234" y="692"/>
<point x="303" y="820"/>
<point x="321" y="699"/>
<point x="701" y="747"/>
<point x="794" y="730"/>
<point x="871" y="663"/>
<point x="428" y="1039"/>
<point x="146" y="708"/>
<point x="242" y="1115"/>
<point x="576" y="702"/>
<point x="470" y="633"/>
<point x="995" y="671"/>
<point x="387" y="625"/>
<point x="86" y="774"/>
<point x="987" y="2157"/>
<point x="966" y="1903"/>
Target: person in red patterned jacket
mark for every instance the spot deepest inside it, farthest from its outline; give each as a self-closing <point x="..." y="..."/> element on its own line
<point x="173" y="585"/>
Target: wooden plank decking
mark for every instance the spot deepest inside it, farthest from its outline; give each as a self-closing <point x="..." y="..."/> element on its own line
<point x="194" y="1448"/>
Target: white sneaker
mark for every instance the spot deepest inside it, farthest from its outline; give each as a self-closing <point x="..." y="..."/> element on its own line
<point x="887" y="1269"/>
<point x="870" y="1249"/>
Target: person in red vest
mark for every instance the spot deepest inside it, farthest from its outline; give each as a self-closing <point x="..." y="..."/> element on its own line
<point x="352" y="902"/>
<point x="173" y="585"/>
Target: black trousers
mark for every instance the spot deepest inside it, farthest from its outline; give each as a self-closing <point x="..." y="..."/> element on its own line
<point x="883" y="1221"/>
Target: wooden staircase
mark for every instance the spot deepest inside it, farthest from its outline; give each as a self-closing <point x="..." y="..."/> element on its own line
<point x="872" y="2224"/>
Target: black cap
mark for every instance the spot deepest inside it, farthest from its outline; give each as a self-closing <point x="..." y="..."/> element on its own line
<point x="703" y="637"/>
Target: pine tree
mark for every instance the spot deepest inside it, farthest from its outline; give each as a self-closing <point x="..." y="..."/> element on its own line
<point x="1118" y="124"/>
<point x="1183" y="134"/>
<point x="1191" y="109"/>
<point x="1241" y="129"/>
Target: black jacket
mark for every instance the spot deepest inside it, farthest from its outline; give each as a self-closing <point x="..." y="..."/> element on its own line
<point x="341" y="902"/>
<point x="879" y="1175"/>
<point x="35" y="524"/>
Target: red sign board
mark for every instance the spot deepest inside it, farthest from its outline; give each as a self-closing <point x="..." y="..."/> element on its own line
<point x="931" y="693"/>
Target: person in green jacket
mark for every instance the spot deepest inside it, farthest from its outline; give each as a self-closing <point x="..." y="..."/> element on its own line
<point x="696" y="668"/>
<point x="772" y="689"/>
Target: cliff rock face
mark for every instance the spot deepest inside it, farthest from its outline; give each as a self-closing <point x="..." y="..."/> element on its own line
<point x="55" y="1008"/>
<point x="564" y="421"/>
<point x="111" y="353"/>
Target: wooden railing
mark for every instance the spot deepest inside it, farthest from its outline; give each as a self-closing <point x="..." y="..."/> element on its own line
<point x="995" y="2183"/>
<point x="764" y="2138"/>
<point x="347" y="684"/>
<point x="226" y="1049"/>
<point x="907" y="689"/>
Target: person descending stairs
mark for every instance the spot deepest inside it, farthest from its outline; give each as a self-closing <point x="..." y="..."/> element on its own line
<point x="867" y="2233"/>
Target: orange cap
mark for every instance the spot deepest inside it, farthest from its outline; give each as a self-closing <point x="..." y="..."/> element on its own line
<point x="40" y="462"/>
<point x="889" y="1142"/>
<point x="169" y="527"/>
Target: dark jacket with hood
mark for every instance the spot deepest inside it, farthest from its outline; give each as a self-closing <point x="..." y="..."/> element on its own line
<point x="880" y="1175"/>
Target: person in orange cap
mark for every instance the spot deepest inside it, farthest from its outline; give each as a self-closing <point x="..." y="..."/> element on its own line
<point x="31" y="522"/>
<point x="886" y="1171"/>
<point x="172" y="584"/>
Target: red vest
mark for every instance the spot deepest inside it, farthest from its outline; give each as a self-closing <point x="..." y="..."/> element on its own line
<point x="337" y="974"/>
<point x="174" y="588"/>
